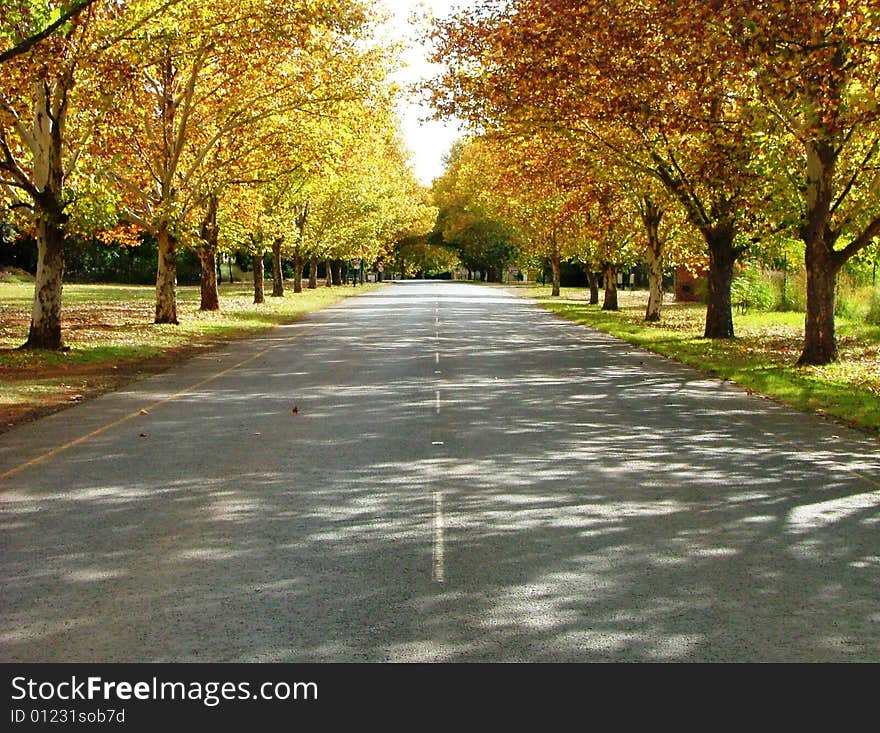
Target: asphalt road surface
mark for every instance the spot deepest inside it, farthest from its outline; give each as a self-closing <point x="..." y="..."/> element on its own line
<point x="466" y="478"/>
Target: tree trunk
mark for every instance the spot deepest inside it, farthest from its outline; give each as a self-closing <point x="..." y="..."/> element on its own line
<point x="45" y="330"/>
<point x="208" y="258"/>
<point x="719" y="314"/>
<point x="259" y="292"/>
<point x="336" y="268"/>
<point x="210" y="295"/>
<point x="655" y="284"/>
<point x="328" y="273"/>
<point x="609" y="273"/>
<point x="820" y="342"/>
<point x="651" y="218"/>
<point x="593" y="282"/>
<point x="277" y="274"/>
<point x="297" y="270"/>
<point x="48" y="178"/>
<point x="313" y="273"/>
<point x="302" y="216"/>
<point x="718" y="231"/>
<point x="557" y="275"/>
<point x="166" y="277"/>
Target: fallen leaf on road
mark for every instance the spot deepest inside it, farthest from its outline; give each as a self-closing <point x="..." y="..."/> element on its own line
<point x="145" y="412"/>
<point x="143" y="435"/>
<point x="295" y="409"/>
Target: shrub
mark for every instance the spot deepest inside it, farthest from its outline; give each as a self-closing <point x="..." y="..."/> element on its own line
<point x="790" y="290"/>
<point x="853" y="300"/>
<point x="751" y="289"/>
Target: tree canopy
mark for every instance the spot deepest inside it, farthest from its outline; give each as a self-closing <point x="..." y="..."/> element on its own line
<point x="730" y="108"/>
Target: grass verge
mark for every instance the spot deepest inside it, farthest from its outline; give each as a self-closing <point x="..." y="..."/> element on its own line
<point x="112" y="338"/>
<point x="761" y="358"/>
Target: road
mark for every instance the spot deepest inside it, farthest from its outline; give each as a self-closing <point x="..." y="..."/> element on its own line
<point x="465" y="478"/>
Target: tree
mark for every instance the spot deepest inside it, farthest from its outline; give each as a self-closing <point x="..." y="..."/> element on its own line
<point x="367" y="200"/>
<point x="306" y="153"/>
<point x="239" y="228"/>
<point x="651" y="213"/>
<point x="484" y="243"/>
<point x="55" y="84"/>
<point x="640" y="84"/>
<point x="541" y="192"/>
<point x="423" y="256"/>
<point x="203" y="70"/>
<point x="817" y="70"/>
<point x="607" y="237"/>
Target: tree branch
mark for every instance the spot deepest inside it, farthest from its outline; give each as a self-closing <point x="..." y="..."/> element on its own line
<point x="189" y="93"/>
<point x="133" y="218"/>
<point x="845" y="192"/>
<point x="859" y="243"/>
<point x="17" y="203"/>
<point x="26" y="137"/>
<point x="133" y="189"/>
<point x="28" y="43"/>
<point x="10" y="165"/>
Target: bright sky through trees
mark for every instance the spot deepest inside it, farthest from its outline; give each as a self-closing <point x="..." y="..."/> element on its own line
<point x="429" y="141"/>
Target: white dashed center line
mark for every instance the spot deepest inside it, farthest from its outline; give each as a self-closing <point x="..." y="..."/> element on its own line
<point x="439" y="569"/>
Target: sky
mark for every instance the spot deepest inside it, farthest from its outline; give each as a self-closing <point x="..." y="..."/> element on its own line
<point x="428" y="141"/>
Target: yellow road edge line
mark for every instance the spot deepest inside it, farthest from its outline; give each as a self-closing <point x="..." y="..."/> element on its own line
<point x="98" y="431"/>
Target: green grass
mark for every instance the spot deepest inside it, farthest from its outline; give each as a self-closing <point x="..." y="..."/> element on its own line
<point x="112" y="322"/>
<point x="109" y="330"/>
<point x="762" y="357"/>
